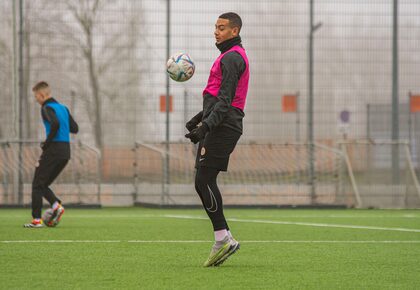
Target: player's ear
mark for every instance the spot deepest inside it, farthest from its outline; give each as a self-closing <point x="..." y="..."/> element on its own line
<point x="235" y="31"/>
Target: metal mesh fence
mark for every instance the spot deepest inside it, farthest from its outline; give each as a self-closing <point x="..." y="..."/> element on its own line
<point x="260" y="174"/>
<point x="379" y="183"/>
<point x="379" y="124"/>
<point x="106" y="61"/>
<point x="78" y="184"/>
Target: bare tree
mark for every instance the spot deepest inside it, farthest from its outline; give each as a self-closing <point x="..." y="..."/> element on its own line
<point x="104" y="53"/>
<point x="28" y="124"/>
<point x="5" y="56"/>
<point x="8" y="54"/>
<point x="79" y="45"/>
<point x="85" y="13"/>
<point x="6" y="72"/>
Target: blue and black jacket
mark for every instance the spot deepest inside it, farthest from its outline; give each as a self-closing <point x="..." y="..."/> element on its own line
<point x="58" y="123"/>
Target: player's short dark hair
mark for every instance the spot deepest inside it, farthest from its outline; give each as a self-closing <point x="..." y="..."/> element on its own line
<point x="40" y="85"/>
<point x="234" y="19"/>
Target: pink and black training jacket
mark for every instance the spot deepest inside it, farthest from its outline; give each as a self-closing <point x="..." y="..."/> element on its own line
<point x="224" y="96"/>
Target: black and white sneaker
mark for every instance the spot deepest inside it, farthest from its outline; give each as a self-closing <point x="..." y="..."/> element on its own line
<point x="34" y="224"/>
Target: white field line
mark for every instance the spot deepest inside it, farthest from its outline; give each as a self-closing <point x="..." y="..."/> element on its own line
<point x="303" y="224"/>
<point x="338" y="216"/>
<point x="204" y="241"/>
<point x="112" y="216"/>
<point x="285" y="216"/>
<point x="335" y="242"/>
<point x="59" y="241"/>
<point x="290" y="242"/>
<point x="97" y="216"/>
<point x="273" y="216"/>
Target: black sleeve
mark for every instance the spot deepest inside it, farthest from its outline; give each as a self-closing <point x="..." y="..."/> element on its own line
<point x="49" y="115"/>
<point x="233" y="65"/>
<point x="74" y="128"/>
<point x="197" y="118"/>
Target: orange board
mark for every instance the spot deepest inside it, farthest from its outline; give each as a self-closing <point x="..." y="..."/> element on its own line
<point x="163" y="103"/>
<point x="414" y="103"/>
<point x="289" y="103"/>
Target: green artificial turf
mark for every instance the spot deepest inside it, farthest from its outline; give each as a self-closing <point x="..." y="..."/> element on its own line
<point x="137" y="248"/>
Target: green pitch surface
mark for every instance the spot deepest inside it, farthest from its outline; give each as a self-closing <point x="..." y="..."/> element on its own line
<point x="136" y="248"/>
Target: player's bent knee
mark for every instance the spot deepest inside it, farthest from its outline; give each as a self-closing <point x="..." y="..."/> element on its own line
<point x="38" y="188"/>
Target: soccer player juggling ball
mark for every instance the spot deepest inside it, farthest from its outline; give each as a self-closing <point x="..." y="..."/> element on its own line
<point x="218" y="128"/>
<point x="58" y="124"/>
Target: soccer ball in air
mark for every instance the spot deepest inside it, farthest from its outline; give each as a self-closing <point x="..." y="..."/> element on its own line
<point x="180" y="67"/>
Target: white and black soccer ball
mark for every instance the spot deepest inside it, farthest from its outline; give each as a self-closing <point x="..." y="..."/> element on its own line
<point x="47" y="217"/>
<point x="180" y="67"/>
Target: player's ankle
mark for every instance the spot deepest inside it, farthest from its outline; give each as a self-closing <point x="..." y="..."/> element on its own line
<point x="55" y="205"/>
<point x="220" y="235"/>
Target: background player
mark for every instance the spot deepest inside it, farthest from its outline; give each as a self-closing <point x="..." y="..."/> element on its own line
<point x="58" y="124"/>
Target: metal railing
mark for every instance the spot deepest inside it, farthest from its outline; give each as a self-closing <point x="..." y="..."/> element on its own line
<point x="79" y="183"/>
<point x="259" y="174"/>
<point x="379" y="181"/>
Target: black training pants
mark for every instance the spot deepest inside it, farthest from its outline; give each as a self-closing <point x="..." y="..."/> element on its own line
<point x="46" y="172"/>
<point x="211" y="198"/>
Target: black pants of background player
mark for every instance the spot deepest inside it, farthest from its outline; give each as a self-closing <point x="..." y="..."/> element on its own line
<point x="48" y="169"/>
<point x="212" y="157"/>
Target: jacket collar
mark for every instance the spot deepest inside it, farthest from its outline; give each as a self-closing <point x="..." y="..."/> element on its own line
<point x="228" y="44"/>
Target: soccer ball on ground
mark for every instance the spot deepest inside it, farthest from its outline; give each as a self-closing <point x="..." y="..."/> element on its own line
<point x="47" y="217"/>
<point x="180" y="67"/>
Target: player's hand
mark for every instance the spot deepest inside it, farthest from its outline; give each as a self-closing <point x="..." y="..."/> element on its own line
<point x="191" y="125"/>
<point x="194" y="122"/>
<point x="198" y="133"/>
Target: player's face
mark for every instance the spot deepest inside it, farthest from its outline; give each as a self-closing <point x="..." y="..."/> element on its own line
<point x="223" y="31"/>
<point x="40" y="96"/>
